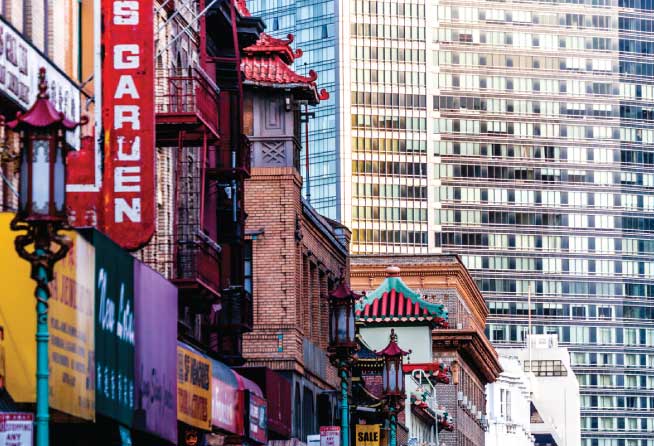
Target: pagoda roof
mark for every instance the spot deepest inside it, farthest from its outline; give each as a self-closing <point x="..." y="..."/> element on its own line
<point x="394" y="301"/>
<point x="266" y="64"/>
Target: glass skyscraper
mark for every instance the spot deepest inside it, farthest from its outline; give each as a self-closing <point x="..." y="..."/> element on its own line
<point x="519" y="135"/>
<point x="545" y="146"/>
<point x="314" y="25"/>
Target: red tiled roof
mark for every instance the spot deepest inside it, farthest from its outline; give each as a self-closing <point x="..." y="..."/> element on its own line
<point x="266" y="63"/>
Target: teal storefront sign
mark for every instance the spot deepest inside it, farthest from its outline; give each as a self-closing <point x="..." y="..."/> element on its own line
<point x="114" y="330"/>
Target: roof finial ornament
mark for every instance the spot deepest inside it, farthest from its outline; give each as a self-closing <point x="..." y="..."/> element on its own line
<point x="43" y="84"/>
<point x="392" y="271"/>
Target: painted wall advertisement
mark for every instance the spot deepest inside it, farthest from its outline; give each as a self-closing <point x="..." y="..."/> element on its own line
<point x="114" y="330"/>
<point x="156" y="353"/>
<point x="128" y="186"/>
<point x="19" y="69"/>
<point x="71" y="305"/>
<point x="16" y="428"/>
<point x="194" y="373"/>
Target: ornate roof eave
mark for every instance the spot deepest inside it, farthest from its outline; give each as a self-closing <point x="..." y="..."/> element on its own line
<point x="473" y="346"/>
<point x="417" y="267"/>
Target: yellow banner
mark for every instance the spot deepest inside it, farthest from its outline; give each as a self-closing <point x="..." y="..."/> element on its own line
<point x="367" y="434"/>
<point x="193" y="388"/>
<point x="72" y="366"/>
<point x="71" y="348"/>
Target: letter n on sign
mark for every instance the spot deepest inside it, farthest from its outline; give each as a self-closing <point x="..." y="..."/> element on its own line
<point x="128" y="191"/>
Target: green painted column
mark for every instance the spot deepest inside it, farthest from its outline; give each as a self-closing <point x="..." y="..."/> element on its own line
<point x="42" y="370"/>
<point x="393" y="429"/>
<point x="345" y="409"/>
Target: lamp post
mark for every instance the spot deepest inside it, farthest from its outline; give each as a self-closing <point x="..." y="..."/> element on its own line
<point x="41" y="215"/>
<point x="393" y="382"/>
<point x="342" y="345"/>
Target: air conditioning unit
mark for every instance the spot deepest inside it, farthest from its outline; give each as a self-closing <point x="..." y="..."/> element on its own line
<point x="459" y="326"/>
<point x="465" y="400"/>
<point x="474" y="408"/>
<point x="469" y="405"/>
<point x="479" y="415"/>
<point x="459" y="396"/>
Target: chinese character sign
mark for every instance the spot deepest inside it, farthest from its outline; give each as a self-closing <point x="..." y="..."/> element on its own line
<point x="114" y="330"/>
<point x="193" y="388"/>
<point x="72" y="357"/>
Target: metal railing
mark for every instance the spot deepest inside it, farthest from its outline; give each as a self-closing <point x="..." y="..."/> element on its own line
<point x="187" y="91"/>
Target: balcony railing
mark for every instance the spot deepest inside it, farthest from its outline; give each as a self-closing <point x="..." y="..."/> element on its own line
<point x="236" y="313"/>
<point x="186" y="97"/>
<point x="198" y="264"/>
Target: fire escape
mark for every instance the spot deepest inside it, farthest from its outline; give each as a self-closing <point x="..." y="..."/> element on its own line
<point x="199" y="115"/>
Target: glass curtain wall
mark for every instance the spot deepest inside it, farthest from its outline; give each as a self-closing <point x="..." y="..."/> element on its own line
<point x="544" y="137"/>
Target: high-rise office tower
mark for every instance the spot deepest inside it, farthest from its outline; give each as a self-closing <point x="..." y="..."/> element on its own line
<point x="315" y="29"/>
<point x="518" y="134"/>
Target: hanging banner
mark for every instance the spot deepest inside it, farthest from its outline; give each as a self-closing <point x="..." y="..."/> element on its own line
<point x="156" y="353"/>
<point x="367" y="434"/>
<point x="114" y="330"/>
<point x="16" y="428"/>
<point x="71" y="308"/>
<point x="128" y="188"/>
<point x="193" y="388"/>
<point x="72" y="355"/>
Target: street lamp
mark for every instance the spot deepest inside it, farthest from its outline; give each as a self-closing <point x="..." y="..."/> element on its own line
<point x="393" y="382"/>
<point x="42" y="214"/>
<point x="342" y="345"/>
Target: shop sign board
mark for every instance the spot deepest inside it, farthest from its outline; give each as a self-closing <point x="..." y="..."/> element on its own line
<point x="128" y="186"/>
<point x="114" y="330"/>
<point x="193" y="388"/>
<point x="156" y="353"/>
<point x="71" y="326"/>
<point x="20" y="62"/>
<point x="258" y="416"/>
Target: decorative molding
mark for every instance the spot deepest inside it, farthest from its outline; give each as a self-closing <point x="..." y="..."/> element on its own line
<point x="273" y="152"/>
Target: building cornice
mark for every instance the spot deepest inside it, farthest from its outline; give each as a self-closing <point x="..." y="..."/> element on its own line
<point x="473" y="346"/>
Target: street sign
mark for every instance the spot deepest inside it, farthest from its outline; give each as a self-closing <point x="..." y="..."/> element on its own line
<point x="16" y="428"/>
<point x="313" y="440"/>
<point x="330" y="436"/>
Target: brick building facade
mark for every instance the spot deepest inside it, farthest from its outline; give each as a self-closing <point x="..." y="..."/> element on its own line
<point x="462" y="345"/>
<point x="297" y="256"/>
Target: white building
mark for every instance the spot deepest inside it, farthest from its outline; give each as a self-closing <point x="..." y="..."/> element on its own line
<point x="508" y="402"/>
<point x="555" y="403"/>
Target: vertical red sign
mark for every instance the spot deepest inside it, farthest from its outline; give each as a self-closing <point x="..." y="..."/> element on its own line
<point x="128" y="188"/>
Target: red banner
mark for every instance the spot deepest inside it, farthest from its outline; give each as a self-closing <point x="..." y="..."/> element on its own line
<point x="128" y="187"/>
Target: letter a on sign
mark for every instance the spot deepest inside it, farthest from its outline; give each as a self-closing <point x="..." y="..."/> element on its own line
<point x="367" y="434"/>
<point x="128" y="187"/>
